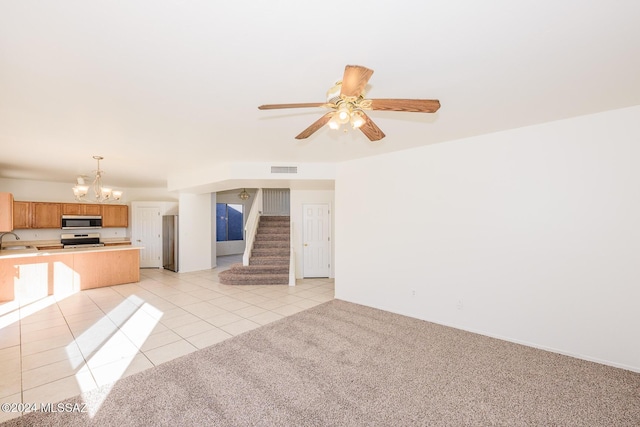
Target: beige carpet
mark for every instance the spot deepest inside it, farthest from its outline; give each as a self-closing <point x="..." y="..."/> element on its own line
<point x="341" y="364"/>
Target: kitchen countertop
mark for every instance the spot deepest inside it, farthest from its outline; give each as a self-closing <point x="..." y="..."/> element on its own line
<point x="34" y="252"/>
<point x="56" y="242"/>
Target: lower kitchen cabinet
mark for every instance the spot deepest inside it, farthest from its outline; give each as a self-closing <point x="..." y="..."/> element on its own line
<point x="107" y="268"/>
<point x="33" y="277"/>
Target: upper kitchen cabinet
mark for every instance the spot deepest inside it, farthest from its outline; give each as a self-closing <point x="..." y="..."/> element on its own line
<point x="81" y="209"/>
<point x="6" y="212"/>
<point x="115" y="216"/>
<point x="46" y="215"/>
<point x="36" y="215"/>
<point x="21" y="215"/>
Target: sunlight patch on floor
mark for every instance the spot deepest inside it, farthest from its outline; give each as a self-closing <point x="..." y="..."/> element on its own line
<point x="112" y="343"/>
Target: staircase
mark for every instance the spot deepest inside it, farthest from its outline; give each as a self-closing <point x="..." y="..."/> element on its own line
<point x="269" y="262"/>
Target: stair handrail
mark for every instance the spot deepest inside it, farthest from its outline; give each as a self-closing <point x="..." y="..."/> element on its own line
<point x="292" y="257"/>
<point x="251" y="226"/>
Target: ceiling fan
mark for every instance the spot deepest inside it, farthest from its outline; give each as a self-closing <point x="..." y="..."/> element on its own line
<point x="347" y="103"/>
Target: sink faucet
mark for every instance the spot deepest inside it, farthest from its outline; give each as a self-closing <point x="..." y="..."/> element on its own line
<point x="4" y="234"/>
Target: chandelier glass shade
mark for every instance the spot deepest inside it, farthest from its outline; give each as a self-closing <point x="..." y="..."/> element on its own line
<point x="99" y="193"/>
<point x="244" y="195"/>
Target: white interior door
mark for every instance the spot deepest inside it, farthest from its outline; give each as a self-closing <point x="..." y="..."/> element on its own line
<point x="147" y="230"/>
<point x="316" y="240"/>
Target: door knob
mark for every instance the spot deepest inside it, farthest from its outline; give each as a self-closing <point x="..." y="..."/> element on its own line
<point x="306" y="244"/>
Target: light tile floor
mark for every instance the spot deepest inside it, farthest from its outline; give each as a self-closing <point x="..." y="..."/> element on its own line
<point x="58" y="347"/>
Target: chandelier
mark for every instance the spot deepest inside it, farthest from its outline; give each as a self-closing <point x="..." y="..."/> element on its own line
<point x="101" y="193"/>
<point x="244" y="195"/>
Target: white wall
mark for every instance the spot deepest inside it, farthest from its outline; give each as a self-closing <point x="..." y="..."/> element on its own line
<point x="214" y="249"/>
<point x="531" y="235"/>
<point x="45" y="191"/>
<point x="150" y="195"/>
<point x="228" y="176"/>
<point x="38" y="191"/>
<point x="297" y="200"/>
<point x="194" y="222"/>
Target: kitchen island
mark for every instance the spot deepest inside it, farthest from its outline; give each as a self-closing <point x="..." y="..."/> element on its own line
<point x="30" y="274"/>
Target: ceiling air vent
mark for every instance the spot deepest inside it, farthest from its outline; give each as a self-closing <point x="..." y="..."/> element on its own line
<point x="284" y="169"/>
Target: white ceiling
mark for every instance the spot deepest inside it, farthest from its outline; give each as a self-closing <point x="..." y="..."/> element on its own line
<point x="162" y="86"/>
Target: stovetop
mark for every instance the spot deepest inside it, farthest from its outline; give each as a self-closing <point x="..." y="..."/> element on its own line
<point x="87" y="240"/>
<point x="84" y="245"/>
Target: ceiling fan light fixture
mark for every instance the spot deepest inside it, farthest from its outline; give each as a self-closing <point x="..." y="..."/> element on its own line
<point x="344" y="113"/>
<point x="347" y="102"/>
<point x="334" y="123"/>
<point x="357" y="119"/>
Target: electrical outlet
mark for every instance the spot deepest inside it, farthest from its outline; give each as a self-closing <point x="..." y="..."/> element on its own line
<point x="459" y="305"/>
<point x="413" y="292"/>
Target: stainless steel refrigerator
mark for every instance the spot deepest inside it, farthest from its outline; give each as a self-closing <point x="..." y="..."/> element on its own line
<point x="170" y="242"/>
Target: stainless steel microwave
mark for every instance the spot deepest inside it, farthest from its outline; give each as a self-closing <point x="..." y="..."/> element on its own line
<point x="70" y="222"/>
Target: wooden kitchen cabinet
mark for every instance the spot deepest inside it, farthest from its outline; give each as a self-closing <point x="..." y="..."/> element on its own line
<point x="107" y="268"/>
<point x="31" y="278"/>
<point x="36" y="215"/>
<point x="21" y="215"/>
<point x="123" y="243"/>
<point x="6" y="212"/>
<point x="115" y="216"/>
<point x="46" y="215"/>
<point x="81" y="209"/>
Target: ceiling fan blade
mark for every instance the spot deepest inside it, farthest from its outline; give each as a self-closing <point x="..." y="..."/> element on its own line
<point x="371" y="130"/>
<point x="315" y="126"/>
<point x="412" y="105"/>
<point x="354" y="80"/>
<point x="279" y="106"/>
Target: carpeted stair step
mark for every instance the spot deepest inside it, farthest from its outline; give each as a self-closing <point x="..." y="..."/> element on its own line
<point x="274" y="224"/>
<point x="273" y="236"/>
<point x="270" y="252"/>
<point x="275" y="218"/>
<point x="258" y="279"/>
<point x="272" y="230"/>
<point x="259" y="269"/>
<point x="265" y="244"/>
<point x="279" y="252"/>
<point x="269" y="260"/>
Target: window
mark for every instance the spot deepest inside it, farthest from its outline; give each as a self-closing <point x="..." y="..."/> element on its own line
<point x="229" y="222"/>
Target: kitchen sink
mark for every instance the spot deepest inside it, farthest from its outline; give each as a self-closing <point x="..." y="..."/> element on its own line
<point x="17" y="247"/>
